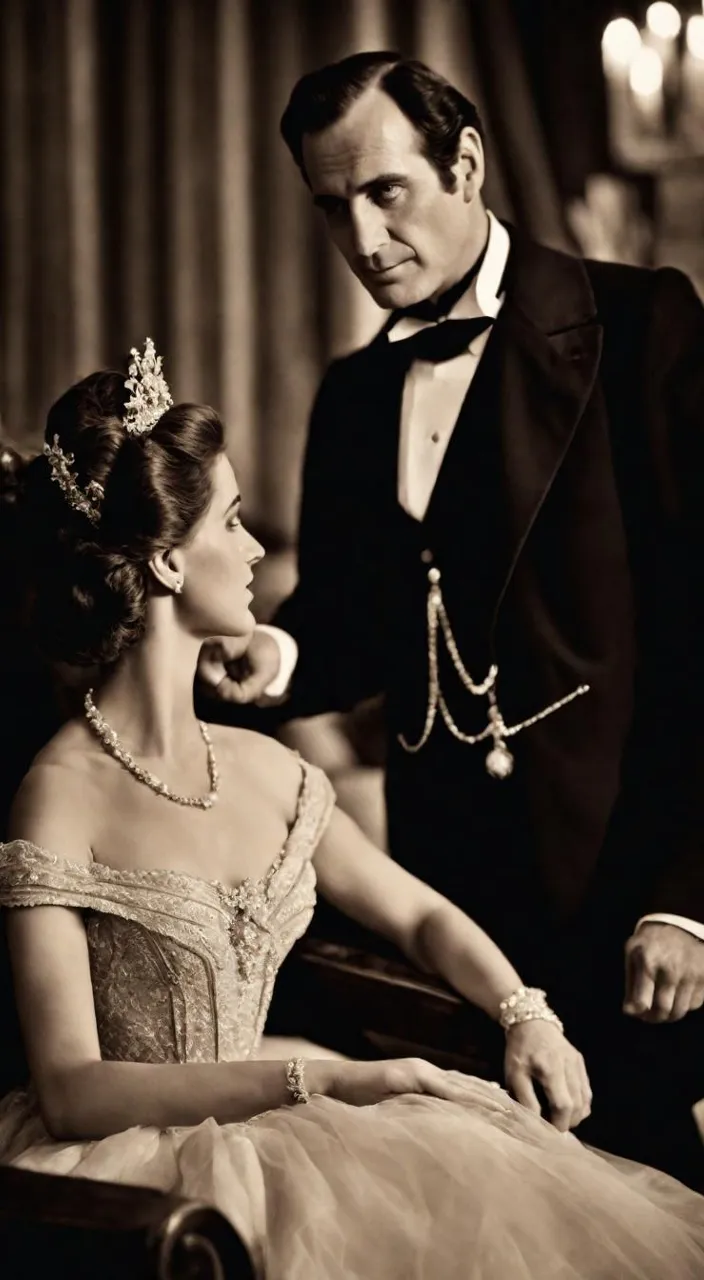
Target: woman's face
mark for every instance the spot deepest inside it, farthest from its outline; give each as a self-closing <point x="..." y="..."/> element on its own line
<point x="217" y="564"/>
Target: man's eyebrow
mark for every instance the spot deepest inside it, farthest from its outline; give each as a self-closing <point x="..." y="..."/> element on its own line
<point x="381" y="180"/>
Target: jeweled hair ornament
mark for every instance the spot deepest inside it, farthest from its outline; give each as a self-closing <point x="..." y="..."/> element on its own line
<point x="150" y="398"/>
<point x="86" y="501"/>
<point x="150" y="391"/>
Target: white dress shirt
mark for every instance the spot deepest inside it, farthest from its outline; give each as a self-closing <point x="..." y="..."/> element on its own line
<point x="432" y="398"/>
<point x="288" y="654"/>
<point x="433" y="393"/>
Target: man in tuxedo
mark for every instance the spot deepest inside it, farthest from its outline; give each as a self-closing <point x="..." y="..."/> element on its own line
<point x="502" y="531"/>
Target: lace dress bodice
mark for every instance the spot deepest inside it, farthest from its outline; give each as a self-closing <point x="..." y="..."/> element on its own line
<point x="182" y="968"/>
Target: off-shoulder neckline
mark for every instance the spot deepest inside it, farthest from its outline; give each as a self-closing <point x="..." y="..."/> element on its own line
<point x="102" y="871"/>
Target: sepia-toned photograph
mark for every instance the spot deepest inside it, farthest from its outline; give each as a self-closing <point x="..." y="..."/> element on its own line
<point x="352" y="640"/>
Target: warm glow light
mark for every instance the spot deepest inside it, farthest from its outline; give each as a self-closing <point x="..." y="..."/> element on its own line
<point x="663" y="20"/>
<point x="695" y="37"/>
<point x="646" y="73"/>
<point x="621" y="42"/>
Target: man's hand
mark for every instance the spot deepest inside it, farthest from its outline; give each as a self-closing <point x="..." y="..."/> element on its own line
<point x="537" y="1050"/>
<point x="664" y="973"/>
<point x="236" y="676"/>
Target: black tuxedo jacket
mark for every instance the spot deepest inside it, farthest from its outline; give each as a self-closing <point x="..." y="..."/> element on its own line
<point x="601" y="422"/>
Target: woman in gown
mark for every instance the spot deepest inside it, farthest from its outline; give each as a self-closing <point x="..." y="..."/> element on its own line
<point x="144" y="972"/>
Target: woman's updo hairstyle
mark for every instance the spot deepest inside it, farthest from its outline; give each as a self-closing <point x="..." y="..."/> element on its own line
<point x="89" y="580"/>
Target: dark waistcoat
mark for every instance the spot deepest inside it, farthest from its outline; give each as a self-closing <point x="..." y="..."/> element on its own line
<point x="463" y="534"/>
<point x="450" y="821"/>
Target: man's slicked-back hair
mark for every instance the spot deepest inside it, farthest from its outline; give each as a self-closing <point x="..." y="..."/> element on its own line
<point x="437" y="110"/>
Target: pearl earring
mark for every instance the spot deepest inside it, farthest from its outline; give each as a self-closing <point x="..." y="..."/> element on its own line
<point x="178" y="586"/>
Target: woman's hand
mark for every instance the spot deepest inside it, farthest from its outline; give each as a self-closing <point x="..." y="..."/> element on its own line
<point x="363" y="1083"/>
<point x="537" y="1050"/>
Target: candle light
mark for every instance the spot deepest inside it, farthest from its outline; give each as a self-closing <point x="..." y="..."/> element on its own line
<point x="695" y="37"/>
<point x="662" y="27"/>
<point x="693" y="83"/>
<point x="645" y="77"/>
<point x="620" y="43"/>
<point x="664" y="21"/>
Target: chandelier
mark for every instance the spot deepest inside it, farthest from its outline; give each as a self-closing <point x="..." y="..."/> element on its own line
<point x="655" y="87"/>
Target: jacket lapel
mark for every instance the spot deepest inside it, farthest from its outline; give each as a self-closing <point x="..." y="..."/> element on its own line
<point x="549" y="357"/>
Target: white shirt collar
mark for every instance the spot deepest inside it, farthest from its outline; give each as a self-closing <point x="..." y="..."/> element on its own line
<point x="482" y="298"/>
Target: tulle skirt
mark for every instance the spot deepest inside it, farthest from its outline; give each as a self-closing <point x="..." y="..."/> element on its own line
<point x="409" y="1189"/>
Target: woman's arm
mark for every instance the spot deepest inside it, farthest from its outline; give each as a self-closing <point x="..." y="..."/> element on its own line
<point x="367" y="885"/>
<point x="371" y="888"/>
<point x="80" y="1095"/>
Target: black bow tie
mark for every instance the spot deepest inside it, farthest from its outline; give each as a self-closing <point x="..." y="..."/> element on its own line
<point x="443" y="341"/>
<point x="439" y="308"/>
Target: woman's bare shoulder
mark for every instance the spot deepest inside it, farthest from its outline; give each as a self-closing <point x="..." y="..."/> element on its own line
<point x="52" y="807"/>
<point x="254" y="756"/>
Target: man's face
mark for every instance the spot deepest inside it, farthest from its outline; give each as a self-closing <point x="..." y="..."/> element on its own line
<point x="403" y="235"/>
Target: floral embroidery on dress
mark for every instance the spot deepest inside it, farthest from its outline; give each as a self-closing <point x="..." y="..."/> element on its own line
<point x="248" y="927"/>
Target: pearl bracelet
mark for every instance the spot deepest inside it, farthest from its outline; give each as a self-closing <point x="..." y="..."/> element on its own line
<point x="295" y="1080"/>
<point x="526" y="1005"/>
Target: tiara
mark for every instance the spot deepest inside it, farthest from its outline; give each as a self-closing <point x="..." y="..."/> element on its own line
<point x="150" y="398"/>
<point x="87" y="501"/>
<point x="150" y="391"/>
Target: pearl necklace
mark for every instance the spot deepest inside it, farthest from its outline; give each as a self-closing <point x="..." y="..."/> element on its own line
<point x="499" y="761"/>
<point x="111" y="743"/>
